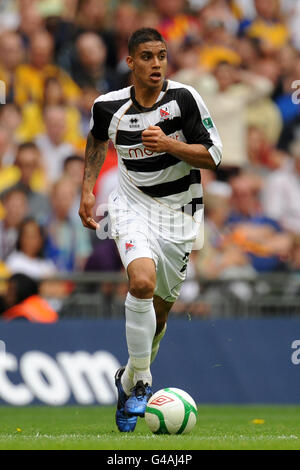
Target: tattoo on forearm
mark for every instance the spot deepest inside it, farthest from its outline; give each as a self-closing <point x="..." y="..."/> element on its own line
<point x="95" y="153"/>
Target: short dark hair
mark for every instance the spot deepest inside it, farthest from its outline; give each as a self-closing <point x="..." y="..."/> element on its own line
<point x="72" y="158"/>
<point x="7" y="193"/>
<point x="143" y="35"/>
<point x="30" y="145"/>
<point x="24" y="285"/>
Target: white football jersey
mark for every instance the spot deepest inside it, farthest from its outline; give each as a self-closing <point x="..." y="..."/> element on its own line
<point x="163" y="189"/>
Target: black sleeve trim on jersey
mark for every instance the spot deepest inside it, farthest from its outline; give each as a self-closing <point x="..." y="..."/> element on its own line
<point x="102" y="113"/>
<point x="156" y="163"/>
<point x="173" y="187"/>
<point x="101" y="118"/>
<point x="169" y="126"/>
<point x="191" y="121"/>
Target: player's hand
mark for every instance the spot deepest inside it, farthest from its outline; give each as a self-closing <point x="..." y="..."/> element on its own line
<point x="154" y="139"/>
<point x="86" y="211"/>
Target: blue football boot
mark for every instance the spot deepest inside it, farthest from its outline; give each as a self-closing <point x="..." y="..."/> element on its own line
<point x="124" y="422"/>
<point x="137" y="402"/>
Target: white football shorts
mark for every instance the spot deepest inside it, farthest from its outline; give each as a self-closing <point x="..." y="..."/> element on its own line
<point x="134" y="240"/>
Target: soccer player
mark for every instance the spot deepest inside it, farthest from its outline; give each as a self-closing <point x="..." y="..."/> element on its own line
<point x="163" y="135"/>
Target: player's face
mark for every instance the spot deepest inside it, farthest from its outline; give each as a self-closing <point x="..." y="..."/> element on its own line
<point x="149" y="64"/>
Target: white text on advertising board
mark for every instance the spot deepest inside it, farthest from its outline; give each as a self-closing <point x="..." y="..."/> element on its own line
<point x="88" y="378"/>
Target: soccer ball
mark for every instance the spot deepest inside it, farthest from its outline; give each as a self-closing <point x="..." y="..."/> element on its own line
<point x="171" y="411"/>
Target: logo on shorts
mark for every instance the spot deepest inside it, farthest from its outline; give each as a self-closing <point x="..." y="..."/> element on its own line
<point x="161" y="400"/>
<point x="129" y="246"/>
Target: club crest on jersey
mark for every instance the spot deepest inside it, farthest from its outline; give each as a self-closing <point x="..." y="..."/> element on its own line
<point x="129" y="246"/>
<point x="164" y="113"/>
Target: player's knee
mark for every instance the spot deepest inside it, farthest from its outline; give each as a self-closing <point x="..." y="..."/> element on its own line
<point x="142" y="288"/>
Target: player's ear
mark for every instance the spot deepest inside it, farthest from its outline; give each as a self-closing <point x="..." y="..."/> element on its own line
<point x="130" y="62"/>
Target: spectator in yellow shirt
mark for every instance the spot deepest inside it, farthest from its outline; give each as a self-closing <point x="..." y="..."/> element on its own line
<point x="31" y="179"/>
<point x="33" y="114"/>
<point x="11" y="56"/>
<point x="218" y="45"/>
<point x="268" y="26"/>
<point x="9" y="175"/>
<point x="31" y="77"/>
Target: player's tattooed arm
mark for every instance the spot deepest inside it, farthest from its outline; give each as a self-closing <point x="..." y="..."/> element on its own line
<point x="95" y="153"/>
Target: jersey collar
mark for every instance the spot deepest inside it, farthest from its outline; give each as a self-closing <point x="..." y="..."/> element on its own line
<point x="160" y="96"/>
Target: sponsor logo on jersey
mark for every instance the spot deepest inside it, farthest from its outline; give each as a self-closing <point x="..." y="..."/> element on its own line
<point x="139" y="152"/>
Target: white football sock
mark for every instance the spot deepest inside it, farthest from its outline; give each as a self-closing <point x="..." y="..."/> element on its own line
<point x="127" y="378"/>
<point x="128" y="374"/>
<point x="140" y="330"/>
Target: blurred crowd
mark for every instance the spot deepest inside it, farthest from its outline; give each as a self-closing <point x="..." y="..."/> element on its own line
<point x="57" y="56"/>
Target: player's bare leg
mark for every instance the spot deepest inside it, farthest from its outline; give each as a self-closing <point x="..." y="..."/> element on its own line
<point x="142" y="278"/>
<point x="162" y="309"/>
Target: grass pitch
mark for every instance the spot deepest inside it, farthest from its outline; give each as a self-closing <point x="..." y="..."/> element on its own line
<point x="93" y="428"/>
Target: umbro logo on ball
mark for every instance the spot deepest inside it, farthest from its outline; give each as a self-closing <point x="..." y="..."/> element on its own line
<point x="161" y="400"/>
